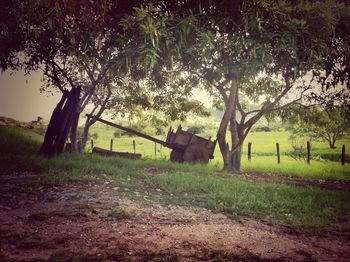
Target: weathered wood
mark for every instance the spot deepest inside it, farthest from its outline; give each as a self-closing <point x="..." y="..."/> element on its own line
<point x="129" y="130"/>
<point x="176" y="156"/>
<point x="196" y="154"/>
<point x="179" y="141"/>
<point x="249" y="151"/>
<point x="60" y="124"/>
<point x="278" y="153"/>
<point x="343" y="155"/>
<point x="105" y="152"/>
<point x="308" y="147"/>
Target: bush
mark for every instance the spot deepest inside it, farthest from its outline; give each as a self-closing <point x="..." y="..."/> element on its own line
<point x="160" y="131"/>
<point x="262" y="129"/>
<point x="94" y="135"/>
<point x="117" y="133"/>
<point x="299" y="145"/>
<point x="195" y="129"/>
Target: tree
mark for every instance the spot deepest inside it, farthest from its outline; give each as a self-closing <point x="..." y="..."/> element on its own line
<point x="263" y="50"/>
<point x="79" y="43"/>
<point x="70" y="41"/>
<point x="328" y="123"/>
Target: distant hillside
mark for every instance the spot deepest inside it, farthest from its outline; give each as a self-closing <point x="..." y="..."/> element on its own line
<point x="38" y="128"/>
<point x="6" y="121"/>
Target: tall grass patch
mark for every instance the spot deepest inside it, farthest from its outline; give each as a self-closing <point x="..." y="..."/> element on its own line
<point x="18" y="141"/>
<point x="315" y="170"/>
<point x="302" y="207"/>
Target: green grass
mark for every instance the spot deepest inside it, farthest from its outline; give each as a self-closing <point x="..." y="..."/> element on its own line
<point x="289" y="166"/>
<point x="301" y="207"/>
<point x="263" y="144"/>
<point x="25" y="141"/>
<point x="261" y="162"/>
<point x="263" y="154"/>
<point x="121" y="213"/>
<point x="304" y="208"/>
<point x="195" y="185"/>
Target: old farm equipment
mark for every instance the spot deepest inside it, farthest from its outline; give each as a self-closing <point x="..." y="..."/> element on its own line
<point x="186" y="147"/>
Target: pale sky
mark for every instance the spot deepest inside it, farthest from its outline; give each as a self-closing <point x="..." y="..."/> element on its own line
<point x="20" y="97"/>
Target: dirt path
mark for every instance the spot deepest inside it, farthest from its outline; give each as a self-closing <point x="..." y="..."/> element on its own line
<point x="37" y="222"/>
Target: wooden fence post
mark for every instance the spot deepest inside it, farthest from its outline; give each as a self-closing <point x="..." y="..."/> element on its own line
<point x="155" y="149"/>
<point x="111" y="145"/>
<point x="343" y="155"/>
<point x="134" y="145"/>
<point x="92" y="143"/>
<point x="249" y="151"/>
<point x="308" y="147"/>
<point x="278" y="153"/>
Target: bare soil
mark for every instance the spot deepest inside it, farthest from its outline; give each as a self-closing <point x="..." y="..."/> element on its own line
<point x="74" y="222"/>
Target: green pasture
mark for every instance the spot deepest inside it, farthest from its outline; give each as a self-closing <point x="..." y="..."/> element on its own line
<point x="264" y="157"/>
<point x="263" y="143"/>
<point x="197" y="185"/>
<point x="263" y="152"/>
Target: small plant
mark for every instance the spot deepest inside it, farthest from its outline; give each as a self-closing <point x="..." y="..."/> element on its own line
<point x="117" y="133"/>
<point x="262" y="129"/>
<point x="120" y="213"/>
<point x="299" y="151"/>
<point x="195" y="129"/>
<point x="94" y="135"/>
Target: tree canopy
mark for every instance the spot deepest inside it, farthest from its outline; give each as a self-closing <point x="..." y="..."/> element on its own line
<point x="328" y="123"/>
<point x="79" y="43"/>
<point x="276" y="52"/>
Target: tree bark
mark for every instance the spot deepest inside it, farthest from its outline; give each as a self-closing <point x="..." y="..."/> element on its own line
<point x="90" y="121"/>
<point x="74" y="133"/>
<point x="231" y="158"/>
<point x="332" y="144"/>
<point x="60" y="123"/>
<point x="85" y="135"/>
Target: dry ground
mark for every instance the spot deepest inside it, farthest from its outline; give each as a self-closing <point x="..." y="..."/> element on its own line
<point x="75" y="223"/>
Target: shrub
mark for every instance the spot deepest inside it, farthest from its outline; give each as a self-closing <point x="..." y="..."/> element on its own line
<point x="262" y="129"/>
<point x="196" y="129"/>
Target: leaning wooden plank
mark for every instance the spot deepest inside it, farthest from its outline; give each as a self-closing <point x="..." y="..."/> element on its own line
<point x="105" y="152"/>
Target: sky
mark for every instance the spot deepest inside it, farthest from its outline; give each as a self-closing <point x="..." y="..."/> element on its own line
<point x="20" y="97"/>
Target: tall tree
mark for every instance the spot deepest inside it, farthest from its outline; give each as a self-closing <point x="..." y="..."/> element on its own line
<point x="275" y="50"/>
<point x="79" y="43"/>
<point x="327" y="123"/>
<point x="70" y="41"/>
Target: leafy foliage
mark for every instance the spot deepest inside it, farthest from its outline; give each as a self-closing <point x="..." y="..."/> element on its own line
<point x="260" y="50"/>
<point x="326" y="124"/>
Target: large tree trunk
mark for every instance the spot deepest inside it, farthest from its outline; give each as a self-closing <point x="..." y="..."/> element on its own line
<point x="100" y="108"/>
<point x="85" y="134"/>
<point x="60" y="123"/>
<point x="74" y="133"/>
<point x="236" y="144"/>
<point x="231" y="157"/>
<point x="332" y="144"/>
<point x="232" y="161"/>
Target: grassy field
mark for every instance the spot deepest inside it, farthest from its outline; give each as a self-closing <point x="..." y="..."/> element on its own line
<point x="263" y="153"/>
<point x="263" y="143"/>
<point x="183" y="184"/>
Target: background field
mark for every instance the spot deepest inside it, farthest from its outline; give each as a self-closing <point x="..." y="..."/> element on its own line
<point x="263" y="153"/>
